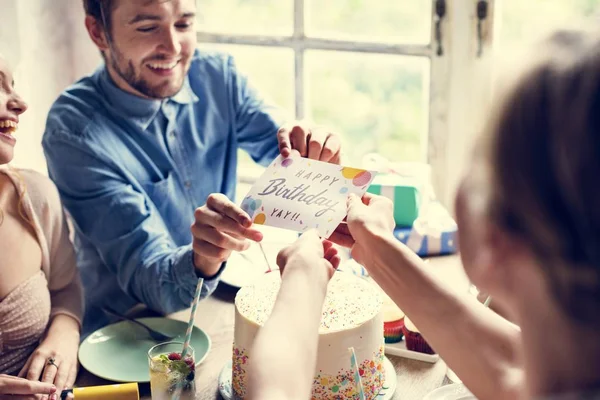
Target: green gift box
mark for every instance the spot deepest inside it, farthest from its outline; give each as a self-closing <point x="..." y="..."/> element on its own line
<point x="405" y="195"/>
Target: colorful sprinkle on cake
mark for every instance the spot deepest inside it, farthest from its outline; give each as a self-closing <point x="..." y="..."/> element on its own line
<point x="351" y="317"/>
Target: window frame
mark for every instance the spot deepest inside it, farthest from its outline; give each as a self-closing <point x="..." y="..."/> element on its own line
<point x="446" y="99"/>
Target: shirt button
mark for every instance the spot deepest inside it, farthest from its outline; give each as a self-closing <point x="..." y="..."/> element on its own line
<point x="172" y="134"/>
<point x="188" y="184"/>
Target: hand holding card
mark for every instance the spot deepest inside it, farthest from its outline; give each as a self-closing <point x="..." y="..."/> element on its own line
<point x="299" y="194"/>
<point x="220" y="227"/>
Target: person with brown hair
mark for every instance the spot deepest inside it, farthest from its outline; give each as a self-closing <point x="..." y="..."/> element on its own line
<point x="144" y="153"/>
<point x="41" y="297"/>
<point x="529" y="230"/>
<point x="528" y="233"/>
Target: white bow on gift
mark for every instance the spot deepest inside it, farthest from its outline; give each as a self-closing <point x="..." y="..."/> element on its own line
<point x="416" y="173"/>
<point x="377" y="162"/>
<point x="432" y="222"/>
<point x="433" y="219"/>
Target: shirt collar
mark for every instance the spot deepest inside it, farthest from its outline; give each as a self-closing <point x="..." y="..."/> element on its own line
<point x="185" y="95"/>
<point x="139" y="110"/>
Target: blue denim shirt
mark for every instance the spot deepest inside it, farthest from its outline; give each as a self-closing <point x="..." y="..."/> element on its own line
<point x="131" y="171"/>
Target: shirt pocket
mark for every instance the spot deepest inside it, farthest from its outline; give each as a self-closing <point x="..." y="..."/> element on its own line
<point x="171" y="204"/>
<point x="162" y="189"/>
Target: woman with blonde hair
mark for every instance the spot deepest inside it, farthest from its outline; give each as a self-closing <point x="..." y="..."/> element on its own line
<point x="40" y="290"/>
<point x="529" y="227"/>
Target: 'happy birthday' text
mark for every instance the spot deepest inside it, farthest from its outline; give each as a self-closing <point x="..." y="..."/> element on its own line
<point x="300" y="193"/>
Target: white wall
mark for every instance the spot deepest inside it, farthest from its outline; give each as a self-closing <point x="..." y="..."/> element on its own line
<point x="46" y="43"/>
<point x="470" y="81"/>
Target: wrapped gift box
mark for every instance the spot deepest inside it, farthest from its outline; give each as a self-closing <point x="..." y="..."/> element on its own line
<point x="407" y="184"/>
<point x="434" y="232"/>
<point x="406" y="197"/>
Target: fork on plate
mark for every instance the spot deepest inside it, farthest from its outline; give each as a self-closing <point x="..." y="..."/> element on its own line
<point x="154" y="334"/>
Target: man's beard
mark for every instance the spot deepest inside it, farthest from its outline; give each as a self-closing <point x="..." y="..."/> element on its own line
<point x="141" y="85"/>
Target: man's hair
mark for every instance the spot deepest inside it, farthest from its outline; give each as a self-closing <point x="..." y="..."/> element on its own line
<point x="101" y="10"/>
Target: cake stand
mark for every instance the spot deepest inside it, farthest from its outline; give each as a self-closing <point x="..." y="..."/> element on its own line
<point x="389" y="387"/>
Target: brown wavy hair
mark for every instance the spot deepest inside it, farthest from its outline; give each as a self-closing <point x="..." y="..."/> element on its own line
<point x="543" y="149"/>
<point x="101" y="10"/>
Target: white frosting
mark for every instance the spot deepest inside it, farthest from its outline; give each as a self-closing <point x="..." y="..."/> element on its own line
<point x="349" y="302"/>
<point x="352" y="317"/>
<point x="410" y="326"/>
<point x="391" y="312"/>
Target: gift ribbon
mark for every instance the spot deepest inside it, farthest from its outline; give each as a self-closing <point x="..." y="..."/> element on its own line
<point x="377" y="162"/>
<point x="433" y="219"/>
<point x="409" y="173"/>
<point x="432" y="222"/>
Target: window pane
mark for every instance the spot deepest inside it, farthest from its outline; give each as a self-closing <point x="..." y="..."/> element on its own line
<point x="524" y="22"/>
<point x="379" y="103"/>
<point x="393" y="21"/>
<point x="258" y="17"/>
<point x="270" y="70"/>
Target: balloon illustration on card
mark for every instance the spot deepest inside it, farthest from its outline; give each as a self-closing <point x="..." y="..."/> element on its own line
<point x="260" y="219"/>
<point x="299" y="194"/>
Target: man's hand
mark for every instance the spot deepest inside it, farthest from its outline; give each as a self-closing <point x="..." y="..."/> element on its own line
<point x="313" y="143"/>
<point x="220" y="228"/>
<point x="371" y="217"/>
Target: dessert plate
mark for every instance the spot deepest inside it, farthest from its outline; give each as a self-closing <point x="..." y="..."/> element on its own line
<point x="119" y="352"/>
<point x="399" y="349"/>
<point x="244" y="268"/>
<point x="456" y="391"/>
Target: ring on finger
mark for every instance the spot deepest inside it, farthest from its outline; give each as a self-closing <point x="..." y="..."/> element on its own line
<point x="52" y="361"/>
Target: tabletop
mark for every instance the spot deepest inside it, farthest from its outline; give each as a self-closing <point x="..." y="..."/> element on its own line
<point x="215" y="315"/>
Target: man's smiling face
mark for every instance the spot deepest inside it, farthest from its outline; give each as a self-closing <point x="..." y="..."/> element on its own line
<point x="151" y="43"/>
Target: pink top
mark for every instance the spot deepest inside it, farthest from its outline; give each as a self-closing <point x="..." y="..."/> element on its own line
<point x="56" y="289"/>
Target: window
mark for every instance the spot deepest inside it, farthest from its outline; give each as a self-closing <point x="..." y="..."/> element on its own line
<point x="523" y="22"/>
<point x="369" y="69"/>
<point x="359" y="67"/>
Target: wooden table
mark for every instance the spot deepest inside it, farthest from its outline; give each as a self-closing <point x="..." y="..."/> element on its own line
<point x="215" y="316"/>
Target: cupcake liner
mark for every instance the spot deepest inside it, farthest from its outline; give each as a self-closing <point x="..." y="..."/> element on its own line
<point x="392" y="331"/>
<point x="416" y="342"/>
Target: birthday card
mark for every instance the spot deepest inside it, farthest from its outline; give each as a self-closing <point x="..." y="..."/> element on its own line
<point x="299" y="194"/>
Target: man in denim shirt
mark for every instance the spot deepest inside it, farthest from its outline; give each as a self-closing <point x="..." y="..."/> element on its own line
<point x="137" y="146"/>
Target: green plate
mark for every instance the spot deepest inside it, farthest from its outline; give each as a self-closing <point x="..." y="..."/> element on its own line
<point x="119" y="352"/>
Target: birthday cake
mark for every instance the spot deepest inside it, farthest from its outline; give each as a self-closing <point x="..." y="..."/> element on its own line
<point x="351" y="318"/>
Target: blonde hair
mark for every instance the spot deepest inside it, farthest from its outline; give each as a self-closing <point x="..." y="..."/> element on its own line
<point x="21" y="191"/>
<point x="543" y="154"/>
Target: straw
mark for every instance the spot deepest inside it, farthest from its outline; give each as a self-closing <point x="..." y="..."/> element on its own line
<point x="262" y="249"/>
<point x="357" y="380"/>
<point x="487" y="301"/>
<point x="188" y="333"/>
<point x="190" y="327"/>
